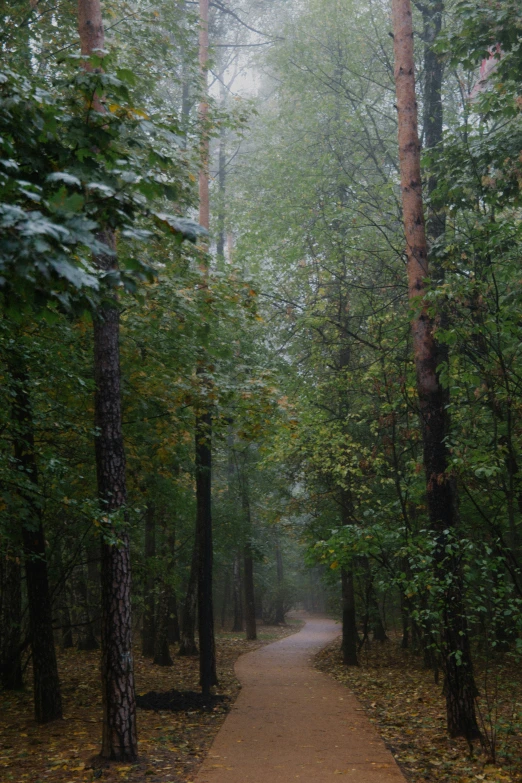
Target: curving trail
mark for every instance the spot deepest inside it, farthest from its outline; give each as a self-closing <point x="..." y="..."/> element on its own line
<point x="291" y="722"/>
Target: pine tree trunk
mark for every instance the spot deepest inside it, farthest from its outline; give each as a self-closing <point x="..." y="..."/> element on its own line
<point x="188" y="618"/>
<point x="119" y="707"/>
<point x="460" y="689"/>
<point x="10" y="621"/>
<point x="222" y="174"/>
<point x="47" y="695"/>
<point x="148" y="633"/>
<point x="119" y="737"/>
<point x="203" y="428"/>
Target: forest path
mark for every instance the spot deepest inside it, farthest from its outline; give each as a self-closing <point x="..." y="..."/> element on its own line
<point x="291" y="722"/>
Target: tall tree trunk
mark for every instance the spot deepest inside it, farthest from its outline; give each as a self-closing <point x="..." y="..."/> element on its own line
<point x="236" y="592"/>
<point x="148" y="638"/>
<point x="119" y="706"/>
<point x="119" y="737"/>
<point x="460" y="689"/>
<point x="222" y="175"/>
<point x="10" y="620"/>
<point x="47" y="695"/>
<point x="188" y="618"/>
<point x="203" y="428"/>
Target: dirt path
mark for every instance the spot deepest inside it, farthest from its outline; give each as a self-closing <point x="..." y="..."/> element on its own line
<point x="291" y="722"/>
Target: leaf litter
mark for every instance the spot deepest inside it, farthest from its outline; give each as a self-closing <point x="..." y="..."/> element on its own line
<point x="407" y="707"/>
<point x="172" y="742"/>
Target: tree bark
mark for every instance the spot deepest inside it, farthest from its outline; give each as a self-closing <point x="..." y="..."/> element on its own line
<point x="460" y="689"/>
<point x="203" y="428"/>
<point x="119" y="737"/>
<point x="149" y="631"/>
<point x="222" y="174"/>
<point x="119" y="706"/>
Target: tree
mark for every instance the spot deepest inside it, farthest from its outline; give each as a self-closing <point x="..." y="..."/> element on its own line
<point x="203" y="426"/>
<point x="119" y="738"/>
<point x="460" y="687"/>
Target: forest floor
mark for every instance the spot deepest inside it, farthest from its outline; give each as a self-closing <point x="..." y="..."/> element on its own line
<point x="406" y="705"/>
<point x="172" y="745"/>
